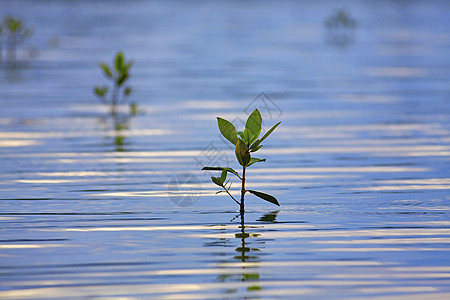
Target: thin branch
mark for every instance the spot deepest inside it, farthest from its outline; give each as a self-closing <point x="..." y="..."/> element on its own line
<point x="231" y="196"/>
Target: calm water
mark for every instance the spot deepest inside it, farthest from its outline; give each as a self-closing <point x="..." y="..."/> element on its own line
<point x="360" y="163"/>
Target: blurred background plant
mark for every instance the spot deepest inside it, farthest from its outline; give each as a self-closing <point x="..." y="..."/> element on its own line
<point x="116" y="95"/>
<point x="12" y="34"/>
<point x="340" y="28"/>
<point x="118" y="74"/>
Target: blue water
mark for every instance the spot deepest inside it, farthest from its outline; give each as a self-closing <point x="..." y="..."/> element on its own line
<point x="359" y="163"/>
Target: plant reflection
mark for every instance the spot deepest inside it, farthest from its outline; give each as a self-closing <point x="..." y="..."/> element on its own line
<point x="116" y="95"/>
<point x="269" y="217"/>
<point x="245" y="252"/>
<point x="12" y="33"/>
<point x="119" y="127"/>
<point x="120" y="124"/>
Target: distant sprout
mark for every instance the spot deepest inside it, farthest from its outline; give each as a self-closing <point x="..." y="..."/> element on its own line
<point x="340" y="18"/>
<point x="246" y="142"/>
<point x="118" y="74"/>
<point x="340" y="27"/>
<point x="15" y="33"/>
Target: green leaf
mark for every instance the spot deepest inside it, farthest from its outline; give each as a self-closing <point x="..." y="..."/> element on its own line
<point x="269" y="132"/>
<point x="101" y="91"/>
<point x="105" y="69"/>
<point x="122" y="79"/>
<point x="255" y="147"/>
<point x="13" y="24"/>
<point x="242" y="153"/>
<point x="255" y="160"/>
<point x="253" y="125"/>
<point x="127" y="91"/>
<point x="217" y="181"/>
<point x="246" y="136"/>
<point x="228" y="130"/>
<point x="98" y="91"/>
<point x="119" y="62"/>
<point x="223" y="176"/>
<point x="265" y="196"/>
<point x="230" y="170"/>
<point x="256" y="144"/>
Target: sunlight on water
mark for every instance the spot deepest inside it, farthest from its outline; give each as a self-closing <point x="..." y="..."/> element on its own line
<point x="17" y="143"/>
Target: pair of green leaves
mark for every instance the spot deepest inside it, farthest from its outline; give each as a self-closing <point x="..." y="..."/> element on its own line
<point x="118" y="73"/>
<point x="220" y="181"/>
<point x="246" y="141"/>
<point x="121" y="69"/>
<point x="101" y="91"/>
<point x="15" y="26"/>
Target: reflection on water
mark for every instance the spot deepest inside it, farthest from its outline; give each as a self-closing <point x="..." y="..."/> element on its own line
<point x="245" y="252"/>
<point x="360" y="163"/>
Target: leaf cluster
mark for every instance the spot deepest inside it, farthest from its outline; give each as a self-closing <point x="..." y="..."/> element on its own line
<point x="118" y="73"/>
<point x="246" y="142"/>
<point x="14" y="31"/>
<point x="15" y="26"/>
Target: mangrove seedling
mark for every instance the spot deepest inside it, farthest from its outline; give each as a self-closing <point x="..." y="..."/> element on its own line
<point x="340" y="27"/>
<point x="118" y="74"/>
<point x="246" y="142"/>
<point x="15" y="34"/>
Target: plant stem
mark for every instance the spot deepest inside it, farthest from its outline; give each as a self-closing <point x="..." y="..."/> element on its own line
<point x="11" y="43"/>
<point x="114" y="101"/>
<point x="242" y="206"/>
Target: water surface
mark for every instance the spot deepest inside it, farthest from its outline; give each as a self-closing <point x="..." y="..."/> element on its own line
<point x="359" y="164"/>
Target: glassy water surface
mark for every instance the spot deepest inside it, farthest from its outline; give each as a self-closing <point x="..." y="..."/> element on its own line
<point x="359" y="164"/>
